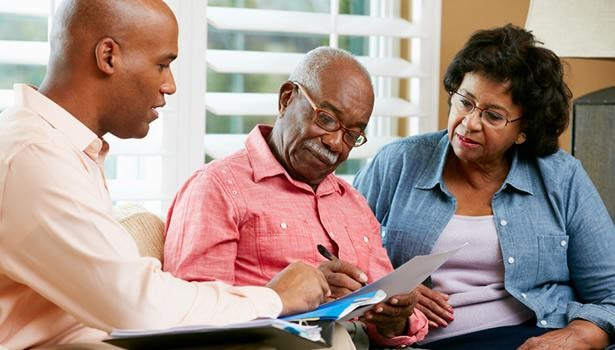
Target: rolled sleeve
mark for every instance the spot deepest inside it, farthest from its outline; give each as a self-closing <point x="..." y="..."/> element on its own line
<point x="599" y="315"/>
<point x="417" y="330"/>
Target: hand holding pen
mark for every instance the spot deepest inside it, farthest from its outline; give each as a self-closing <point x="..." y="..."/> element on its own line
<point x="342" y="276"/>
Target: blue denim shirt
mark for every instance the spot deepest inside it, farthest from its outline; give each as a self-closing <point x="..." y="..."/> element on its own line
<point x="556" y="236"/>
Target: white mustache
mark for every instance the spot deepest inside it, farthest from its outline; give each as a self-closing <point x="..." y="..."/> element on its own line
<point x="322" y="151"/>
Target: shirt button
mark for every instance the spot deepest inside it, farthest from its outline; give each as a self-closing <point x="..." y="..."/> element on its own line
<point x="331" y="234"/>
<point x="511" y="260"/>
<point x="366" y="239"/>
<point x="229" y="181"/>
<point x="543" y="322"/>
<point x="234" y="192"/>
<point x="223" y="171"/>
<point x="524" y="295"/>
<point x="503" y="222"/>
<point x="563" y="243"/>
<point x="283" y="225"/>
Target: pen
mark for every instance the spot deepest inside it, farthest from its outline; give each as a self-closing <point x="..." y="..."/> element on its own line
<point x="329" y="256"/>
<point x="326" y="253"/>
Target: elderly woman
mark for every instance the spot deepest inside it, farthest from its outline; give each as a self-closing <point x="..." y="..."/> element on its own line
<point x="539" y="271"/>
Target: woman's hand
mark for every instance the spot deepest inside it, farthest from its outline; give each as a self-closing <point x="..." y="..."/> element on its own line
<point x="578" y="335"/>
<point x="435" y="306"/>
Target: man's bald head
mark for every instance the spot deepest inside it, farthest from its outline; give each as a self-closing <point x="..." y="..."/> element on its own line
<point x="110" y="63"/>
<point x="322" y="59"/>
<point x="79" y="24"/>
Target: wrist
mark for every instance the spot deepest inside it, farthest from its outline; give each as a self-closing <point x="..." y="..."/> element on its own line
<point x="401" y="329"/>
<point x="380" y="340"/>
<point x="594" y="336"/>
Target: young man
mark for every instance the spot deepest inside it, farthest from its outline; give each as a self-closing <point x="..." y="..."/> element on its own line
<point x="68" y="271"/>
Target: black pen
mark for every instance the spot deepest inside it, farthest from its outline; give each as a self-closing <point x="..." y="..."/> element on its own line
<point x="330" y="256"/>
<point x="326" y="253"/>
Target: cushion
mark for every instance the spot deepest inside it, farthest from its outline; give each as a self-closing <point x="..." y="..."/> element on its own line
<point x="146" y="228"/>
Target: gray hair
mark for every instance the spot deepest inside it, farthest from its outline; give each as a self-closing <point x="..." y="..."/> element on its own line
<point x="315" y="61"/>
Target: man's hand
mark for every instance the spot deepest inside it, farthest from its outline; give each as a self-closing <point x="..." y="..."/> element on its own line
<point x="391" y="317"/>
<point x="578" y="335"/>
<point x="301" y="287"/>
<point x="343" y="277"/>
<point x="435" y="306"/>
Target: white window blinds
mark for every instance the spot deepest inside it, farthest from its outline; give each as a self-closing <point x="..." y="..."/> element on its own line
<point x="233" y="56"/>
<point x="266" y="40"/>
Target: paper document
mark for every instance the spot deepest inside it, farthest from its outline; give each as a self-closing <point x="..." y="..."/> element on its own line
<point x="404" y="278"/>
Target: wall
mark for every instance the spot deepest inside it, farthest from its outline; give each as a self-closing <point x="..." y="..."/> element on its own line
<point x="461" y="18"/>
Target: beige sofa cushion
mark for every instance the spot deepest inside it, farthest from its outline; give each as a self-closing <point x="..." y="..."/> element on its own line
<point x="146" y="228"/>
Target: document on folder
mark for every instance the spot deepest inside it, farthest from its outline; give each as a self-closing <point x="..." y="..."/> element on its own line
<point x="401" y="280"/>
<point x="282" y="334"/>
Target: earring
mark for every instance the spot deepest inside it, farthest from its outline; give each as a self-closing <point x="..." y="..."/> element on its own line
<point x="520" y="139"/>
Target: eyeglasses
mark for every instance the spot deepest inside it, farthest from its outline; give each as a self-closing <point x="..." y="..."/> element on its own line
<point x="467" y="107"/>
<point x="328" y="122"/>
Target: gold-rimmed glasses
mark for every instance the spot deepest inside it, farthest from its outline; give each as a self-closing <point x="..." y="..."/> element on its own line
<point x="491" y="118"/>
<point x="328" y="122"/>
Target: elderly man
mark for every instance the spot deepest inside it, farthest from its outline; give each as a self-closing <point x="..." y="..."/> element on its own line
<point x="68" y="271"/>
<point x="242" y="219"/>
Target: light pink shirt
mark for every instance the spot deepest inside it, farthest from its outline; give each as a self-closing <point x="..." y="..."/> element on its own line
<point x="243" y="219"/>
<point x="65" y="262"/>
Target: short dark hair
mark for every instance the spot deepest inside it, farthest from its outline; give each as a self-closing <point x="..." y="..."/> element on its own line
<point x="511" y="54"/>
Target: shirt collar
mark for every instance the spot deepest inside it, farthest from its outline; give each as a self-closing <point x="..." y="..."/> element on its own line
<point x="97" y="150"/>
<point x="84" y="139"/>
<point x="519" y="175"/>
<point x="432" y="175"/>
<point x="265" y="164"/>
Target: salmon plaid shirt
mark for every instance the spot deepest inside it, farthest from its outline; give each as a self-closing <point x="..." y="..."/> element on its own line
<point x="243" y="219"/>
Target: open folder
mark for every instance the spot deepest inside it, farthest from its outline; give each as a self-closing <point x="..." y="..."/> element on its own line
<point x="282" y="333"/>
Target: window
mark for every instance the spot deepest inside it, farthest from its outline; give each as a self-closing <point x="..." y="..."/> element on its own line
<point x="234" y="54"/>
<point x="252" y="47"/>
<point x="23" y="44"/>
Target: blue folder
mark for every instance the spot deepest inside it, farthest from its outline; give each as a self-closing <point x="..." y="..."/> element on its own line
<point x="337" y="309"/>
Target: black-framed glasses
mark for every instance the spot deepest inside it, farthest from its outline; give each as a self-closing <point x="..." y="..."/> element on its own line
<point x="328" y="122"/>
<point x="466" y="106"/>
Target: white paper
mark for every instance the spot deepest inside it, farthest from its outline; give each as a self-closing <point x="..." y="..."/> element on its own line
<point x="404" y="278"/>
